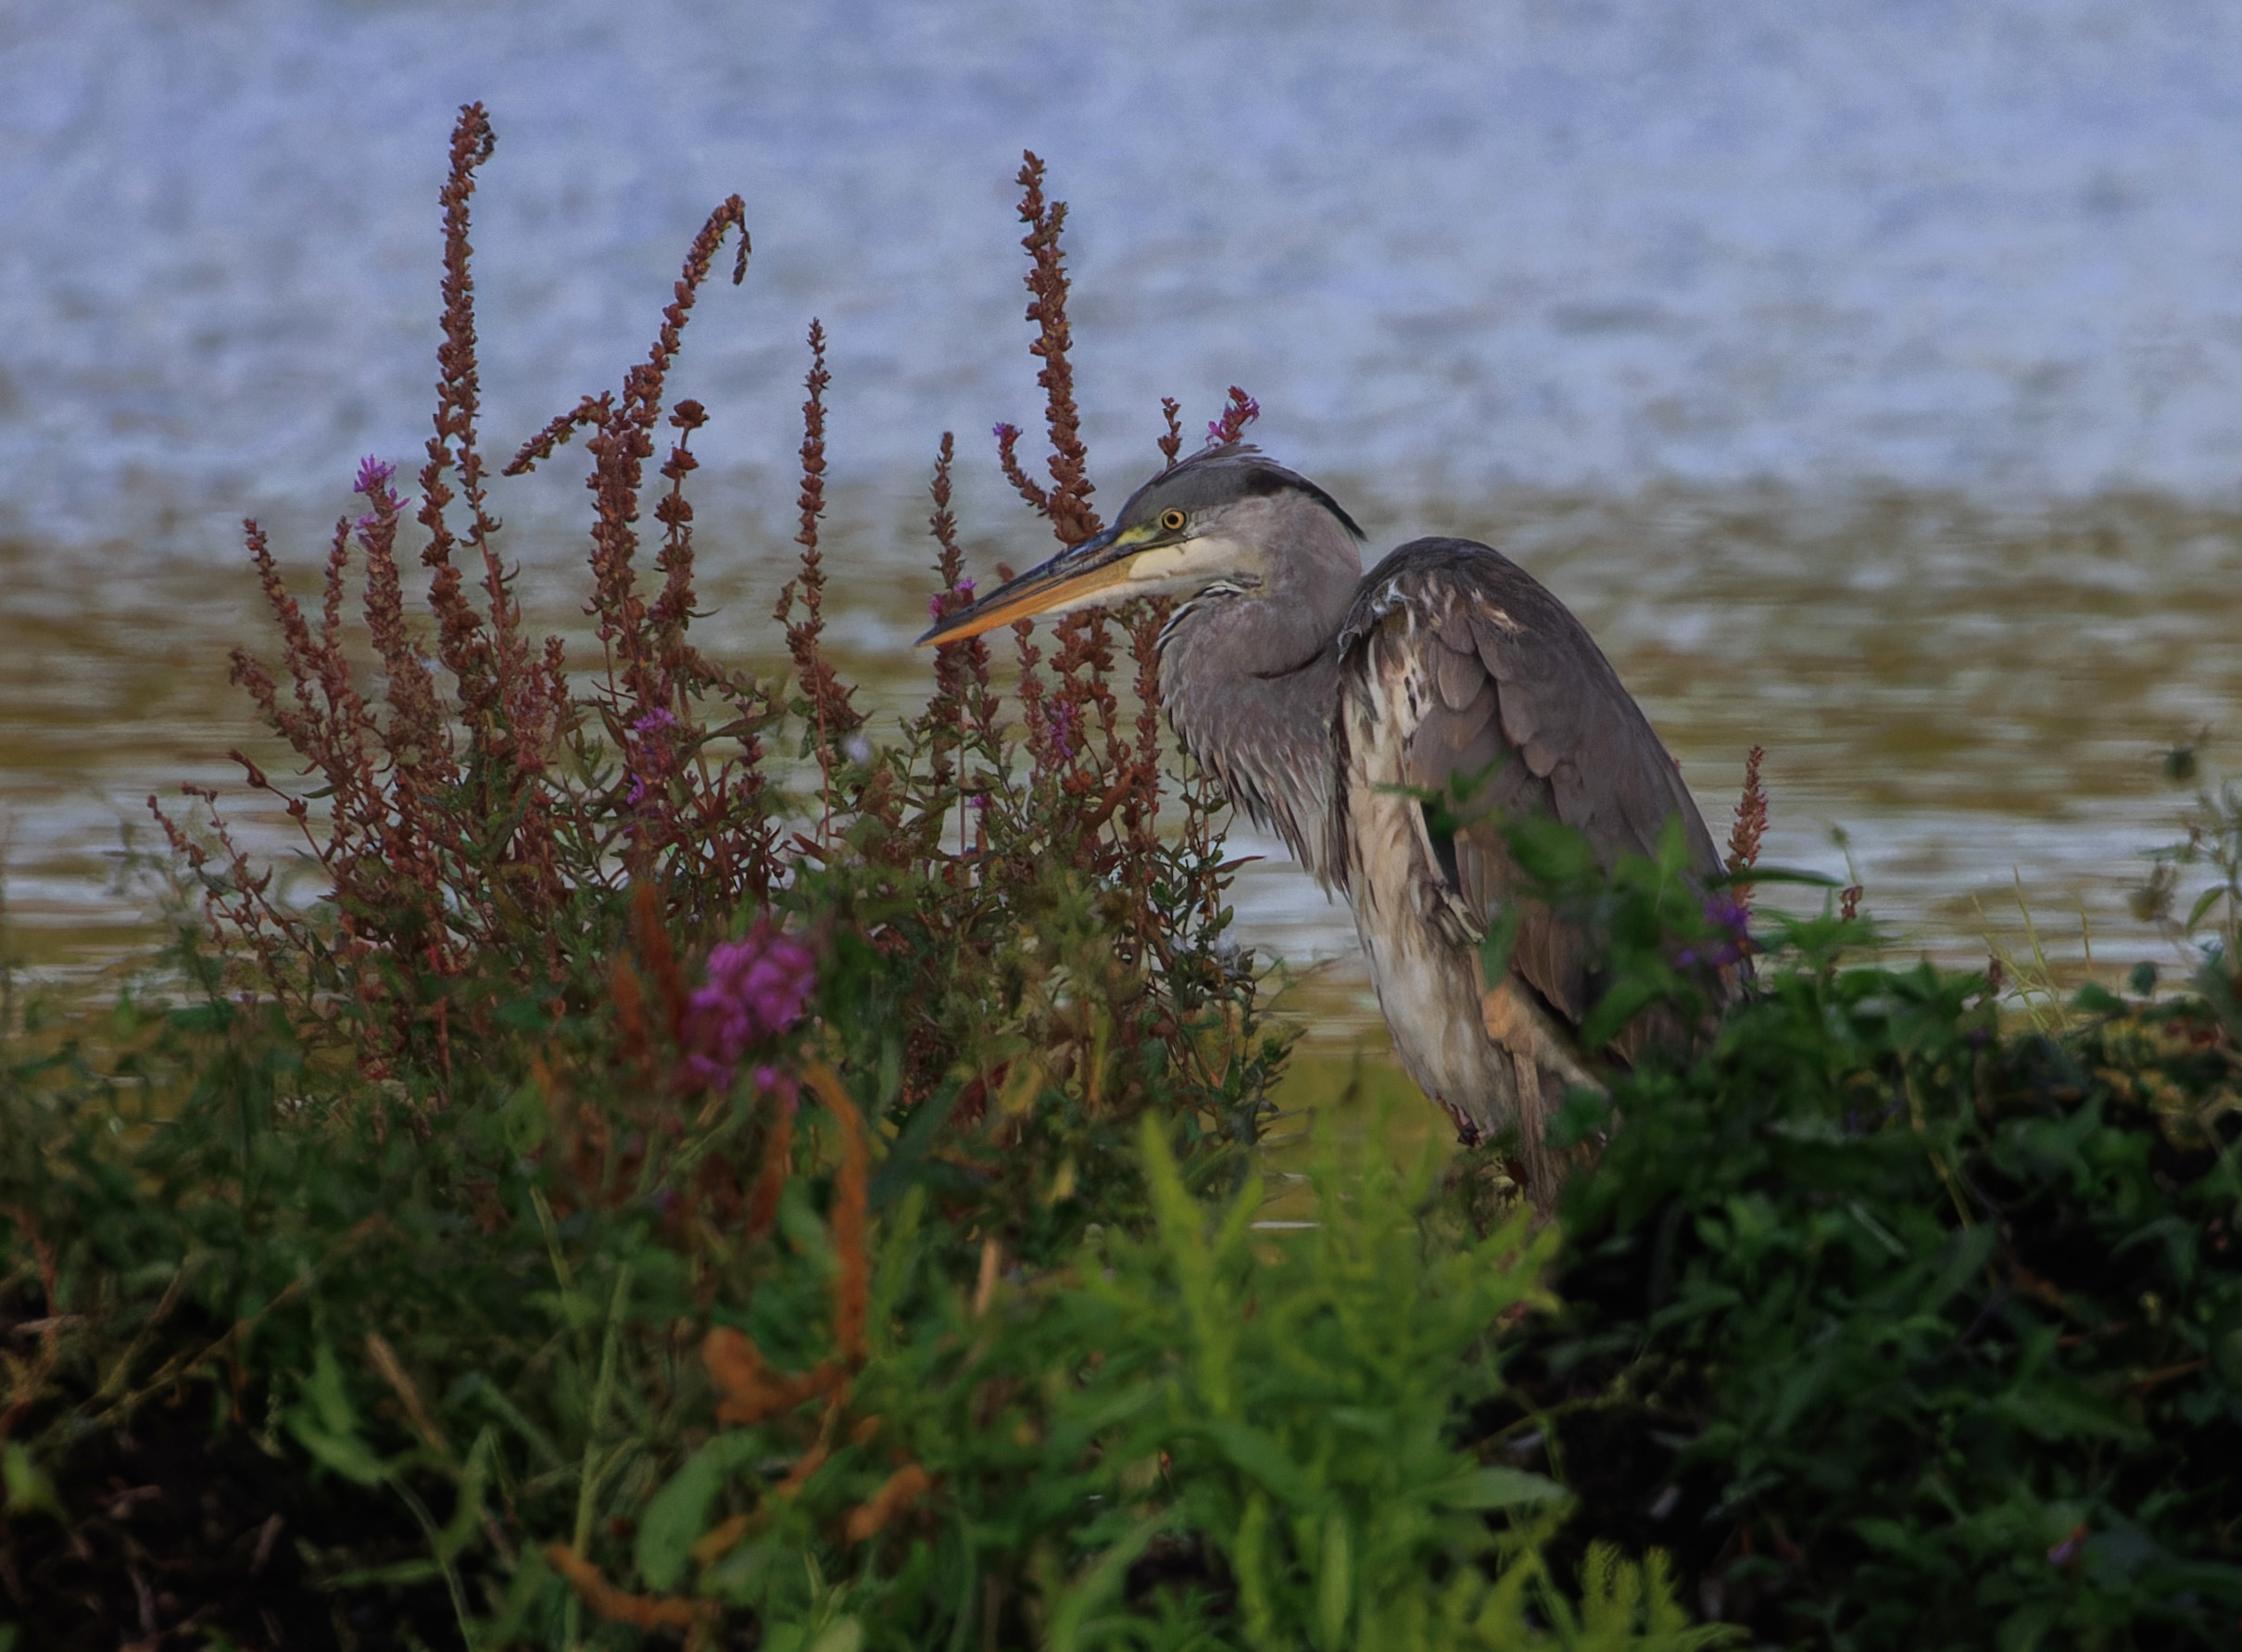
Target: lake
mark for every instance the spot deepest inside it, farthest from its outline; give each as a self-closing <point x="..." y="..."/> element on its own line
<point x="1869" y="381"/>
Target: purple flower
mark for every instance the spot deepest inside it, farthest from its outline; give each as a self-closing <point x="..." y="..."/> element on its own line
<point x="1726" y="913"/>
<point x="637" y="794"/>
<point x="1243" y="409"/>
<point x="1006" y="434"/>
<point x="940" y="602"/>
<point x="754" y="990"/>
<point x="374" y="476"/>
<point x="658" y="721"/>
<point x="1063" y="729"/>
<point x="1727" y="916"/>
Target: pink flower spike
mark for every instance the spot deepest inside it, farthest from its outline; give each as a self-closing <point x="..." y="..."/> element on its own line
<point x="755" y="990"/>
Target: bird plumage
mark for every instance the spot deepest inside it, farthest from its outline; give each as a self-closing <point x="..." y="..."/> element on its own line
<point x="1385" y="727"/>
<point x="1470" y="696"/>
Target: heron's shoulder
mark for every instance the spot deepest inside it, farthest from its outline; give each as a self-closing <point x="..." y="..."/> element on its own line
<point x="1454" y="586"/>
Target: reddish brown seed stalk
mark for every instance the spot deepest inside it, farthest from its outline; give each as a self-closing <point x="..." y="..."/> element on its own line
<point x="831" y="714"/>
<point x="451" y="447"/>
<point x="1236" y="413"/>
<point x="1750" y="825"/>
<point x="1068" y="504"/>
<point x="1171" y="444"/>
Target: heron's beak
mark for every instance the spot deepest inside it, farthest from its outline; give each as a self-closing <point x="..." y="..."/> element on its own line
<point x="1094" y="574"/>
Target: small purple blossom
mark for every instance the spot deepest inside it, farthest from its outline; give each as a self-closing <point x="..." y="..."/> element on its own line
<point x="943" y="602"/>
<point x="754" y="990"/>
<point x="2066" y="1553"/>
<point x="373" y="481"/>
<point x="1063" y="729"/>
<point x="1728" y="917"/>
<point x="1243" y="409"/>
<point x="652" y="760"/>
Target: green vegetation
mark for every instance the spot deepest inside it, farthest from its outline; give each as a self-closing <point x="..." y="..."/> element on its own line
<point x="705" y="1173"/>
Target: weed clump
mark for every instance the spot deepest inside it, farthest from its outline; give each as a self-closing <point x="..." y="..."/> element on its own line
<point x="1899" y="1329"/>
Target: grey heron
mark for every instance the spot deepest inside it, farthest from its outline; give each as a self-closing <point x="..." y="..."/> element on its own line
<point x="1333" y="705"/>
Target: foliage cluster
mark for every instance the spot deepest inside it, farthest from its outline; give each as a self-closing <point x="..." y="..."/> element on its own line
<point x="1901" y="1330"/>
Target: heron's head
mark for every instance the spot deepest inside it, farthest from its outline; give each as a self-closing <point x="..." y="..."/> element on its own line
<point x="1228" y="523"/>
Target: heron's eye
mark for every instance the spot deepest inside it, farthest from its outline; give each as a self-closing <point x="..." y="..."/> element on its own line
<point x="1172" y="519"/>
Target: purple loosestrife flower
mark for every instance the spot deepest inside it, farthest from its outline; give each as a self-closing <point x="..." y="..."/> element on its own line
<point x="1727" y="916"/>
<point x="374" y="483"/>
<point x="943" y="603"/>
<point x="1230" y="427"/>
<point x="1063" y="729"/>
<point x="652" y="758"/>
<point x="755" y="990"/>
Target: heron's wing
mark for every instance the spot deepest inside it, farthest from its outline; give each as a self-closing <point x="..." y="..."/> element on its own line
<point x="1501" y="691"/>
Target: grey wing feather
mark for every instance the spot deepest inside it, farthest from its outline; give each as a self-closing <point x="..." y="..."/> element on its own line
<point x="1525" y="698"/>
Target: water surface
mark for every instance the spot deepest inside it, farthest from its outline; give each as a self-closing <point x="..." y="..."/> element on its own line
<point x="1869" y="378"/>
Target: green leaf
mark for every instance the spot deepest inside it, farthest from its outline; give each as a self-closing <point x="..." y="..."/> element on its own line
<point x="1334" y="1584"/>
<point x="1259" y="1456"/>
<point x="1757" y="875"/>
<point x="2093" y="999"/>
<point x="1099" y="1584"/>
<point x="29" y="1485"/>
<point x="329" y="1398"/>
<point x="2055" y="1413"/>
<point x="345" y="1454"/>
<point x="525" y="1118"/>
<point x="1619" y="1004"/>
<point x="373" y="1577"/>
<point x="1494" y="1486"/>
<point x="677" y="1515"/>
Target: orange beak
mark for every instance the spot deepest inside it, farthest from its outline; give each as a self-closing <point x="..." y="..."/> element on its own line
<point x="1076" y="578"/>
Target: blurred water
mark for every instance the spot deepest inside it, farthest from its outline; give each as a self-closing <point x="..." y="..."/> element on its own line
<point x="1991" y="245"/>
<point x="1801" y="348"/>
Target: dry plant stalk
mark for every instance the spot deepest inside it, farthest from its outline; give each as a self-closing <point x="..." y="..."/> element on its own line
<point x="1171" y="443"/>
<point x="823" y="694"/>
<point x="618" y="1606"/>
<point x="1750" y="826"/>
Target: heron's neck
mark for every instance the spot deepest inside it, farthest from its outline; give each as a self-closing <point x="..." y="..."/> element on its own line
<point x="1261" y="719"/>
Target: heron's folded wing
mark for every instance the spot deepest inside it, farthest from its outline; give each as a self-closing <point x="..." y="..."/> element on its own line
<point x="1516" y="710"/>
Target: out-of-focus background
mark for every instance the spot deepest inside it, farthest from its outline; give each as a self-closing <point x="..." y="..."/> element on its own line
<point x="1868" y="377"/>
